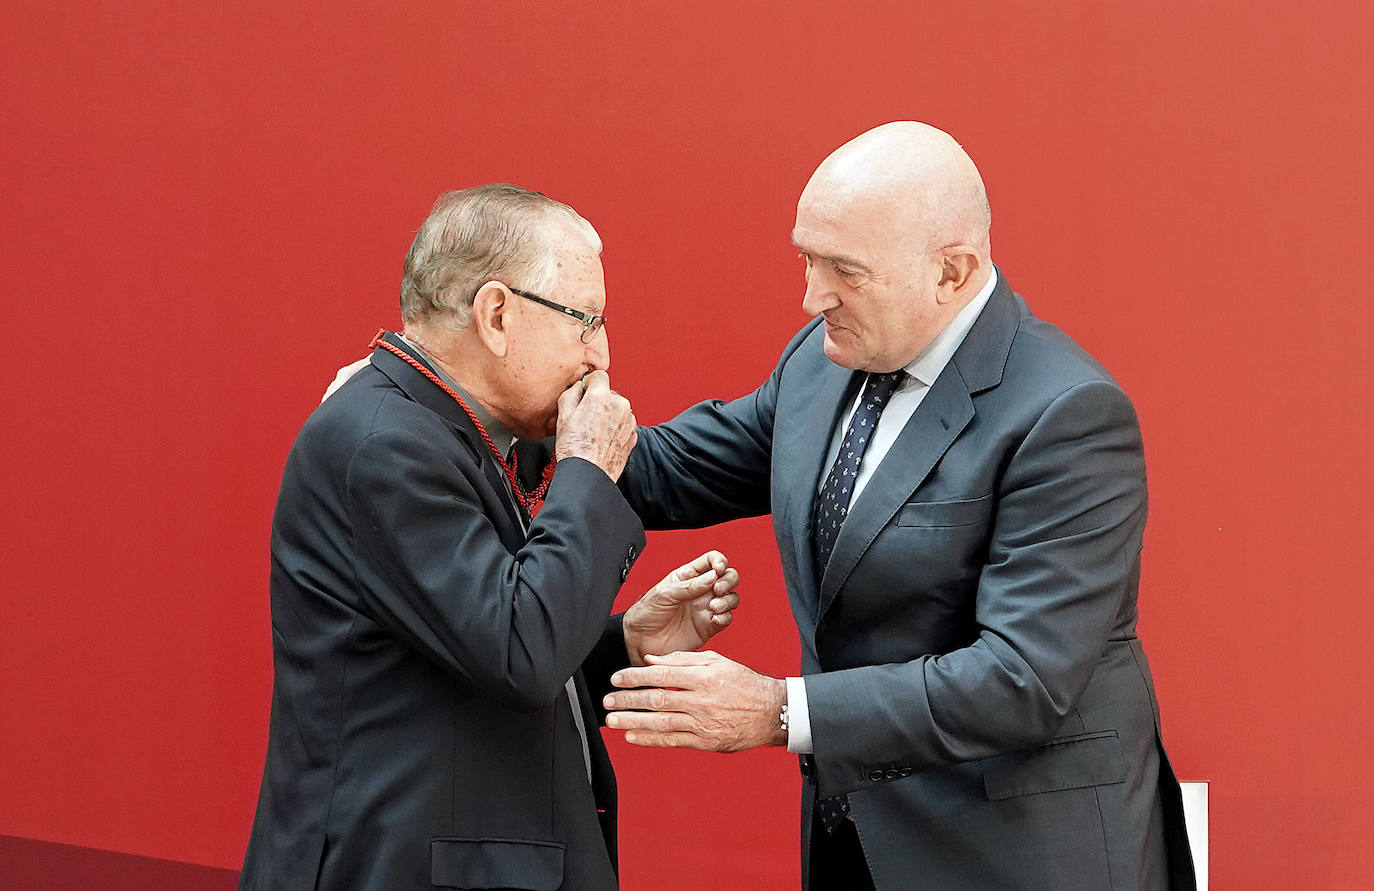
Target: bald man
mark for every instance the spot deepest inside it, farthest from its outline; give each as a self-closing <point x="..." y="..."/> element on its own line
<point x="958" y="492"/>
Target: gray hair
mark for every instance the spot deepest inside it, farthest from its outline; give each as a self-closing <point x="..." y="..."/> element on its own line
<point x="472" y="236"/>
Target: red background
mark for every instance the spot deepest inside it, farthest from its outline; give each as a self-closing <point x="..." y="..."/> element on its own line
<point x="205" y="210"/>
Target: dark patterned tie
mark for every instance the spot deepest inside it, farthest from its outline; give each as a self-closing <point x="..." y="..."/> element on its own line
<point x="832" y="505"/>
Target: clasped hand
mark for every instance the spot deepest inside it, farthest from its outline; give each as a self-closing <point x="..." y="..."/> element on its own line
<point x="697" y="701"/>
<point x="686" y="609"/>
<point x="595" y="423"/>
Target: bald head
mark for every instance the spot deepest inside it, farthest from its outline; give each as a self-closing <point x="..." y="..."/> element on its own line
<point x="918" y="177"/>
<point x="894" y="229"/>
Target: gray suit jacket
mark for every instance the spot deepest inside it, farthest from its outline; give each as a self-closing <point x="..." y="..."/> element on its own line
<point x="974" y="679"/>
<point x="421" y="734"/>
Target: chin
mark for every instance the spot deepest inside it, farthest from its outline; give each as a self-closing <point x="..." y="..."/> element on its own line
<point x="839" y="355"/>
<point x="533" y="428"/>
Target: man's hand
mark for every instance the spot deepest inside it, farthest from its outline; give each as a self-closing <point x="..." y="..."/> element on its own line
<point x="683" y="611"/>
<point x="344" y="374"/>
<point x="697" y="701"/>
<point x="596" y="423"/>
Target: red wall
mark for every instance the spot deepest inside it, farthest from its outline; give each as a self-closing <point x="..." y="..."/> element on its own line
<point x="205" y="210"/>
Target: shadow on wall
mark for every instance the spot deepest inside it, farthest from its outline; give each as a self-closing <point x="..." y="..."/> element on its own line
<point x="46" y="866"/>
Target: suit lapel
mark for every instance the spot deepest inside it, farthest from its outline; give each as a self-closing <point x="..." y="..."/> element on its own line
<point x="941" y="417"/>
<point x="799" y="452"/>
<point x="425" y="392"/>
<point x="944" y="413"/>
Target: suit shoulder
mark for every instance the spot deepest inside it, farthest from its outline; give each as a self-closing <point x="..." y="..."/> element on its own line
<point x="1045" y="368"/>
<point x="811" y="331"/>
<point x="365" y="408"/>
<point x="1042" y="351"/>
<point x="805" y="350"/>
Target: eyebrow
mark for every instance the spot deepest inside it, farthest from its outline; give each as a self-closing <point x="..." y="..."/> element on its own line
<point x="838" y="259"/>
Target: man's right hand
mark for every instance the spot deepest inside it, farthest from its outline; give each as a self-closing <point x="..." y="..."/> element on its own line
<point x="596" y="423"/>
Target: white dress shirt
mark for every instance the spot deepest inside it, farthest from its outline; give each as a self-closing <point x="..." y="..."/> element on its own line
<point x="921" y="374"/>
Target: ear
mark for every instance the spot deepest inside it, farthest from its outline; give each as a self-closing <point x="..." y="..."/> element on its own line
<point x="958" y="265"/>
<point x="489" y="318"/>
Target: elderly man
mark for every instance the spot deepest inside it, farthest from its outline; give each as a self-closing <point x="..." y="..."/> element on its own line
<point x="958" y="492"/>
<point x="439" y="606"/>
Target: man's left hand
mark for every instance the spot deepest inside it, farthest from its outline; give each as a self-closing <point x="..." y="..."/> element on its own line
<point x="697" y="701"/>
<point x="683" y="611"/>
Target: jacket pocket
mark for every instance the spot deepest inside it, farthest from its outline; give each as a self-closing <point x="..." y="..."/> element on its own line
<point x="945" y="513"/>
<point x="496" y="863"/>
<point x="1069" y="762"/>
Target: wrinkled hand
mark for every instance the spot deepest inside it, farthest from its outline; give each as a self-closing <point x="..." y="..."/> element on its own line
<point x="683" y="611"/>
<point x="697" y="701"/>
<point x="344" y="374"/>
<point x="596" y="423"/>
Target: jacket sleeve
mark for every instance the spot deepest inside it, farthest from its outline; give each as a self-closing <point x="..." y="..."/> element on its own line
<point x="1065" y="540"/>
<point x="710" y="464"/>
<point x="434" y="571"/>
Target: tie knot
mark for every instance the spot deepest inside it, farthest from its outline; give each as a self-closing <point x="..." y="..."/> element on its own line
<point x="881" y="386"/>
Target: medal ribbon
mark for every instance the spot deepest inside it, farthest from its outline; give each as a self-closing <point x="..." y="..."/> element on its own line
<point x="530" y="501"/>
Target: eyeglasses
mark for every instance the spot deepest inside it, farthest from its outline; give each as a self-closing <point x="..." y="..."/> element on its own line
<point x="590" y="323"/>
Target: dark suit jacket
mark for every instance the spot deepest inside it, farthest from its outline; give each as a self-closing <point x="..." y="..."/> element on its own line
<point x="421" y="735"/>
<point x="973" y="676"/>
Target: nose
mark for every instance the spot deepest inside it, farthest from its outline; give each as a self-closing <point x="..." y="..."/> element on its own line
<point x="820" y="291"/>
<point x="599" y="351"/>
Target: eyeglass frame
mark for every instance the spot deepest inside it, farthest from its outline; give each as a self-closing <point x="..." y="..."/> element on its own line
<point x="591" y="322"/>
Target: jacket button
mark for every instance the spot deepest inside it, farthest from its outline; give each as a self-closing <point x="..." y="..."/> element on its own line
<point x="894" y="774"/>
<point x="906" y="771"/>
<point x="875" y="776"/>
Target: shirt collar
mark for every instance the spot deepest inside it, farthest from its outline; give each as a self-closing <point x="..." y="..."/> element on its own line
<point x="502" y="438"/>
<point x="928" y="364"/>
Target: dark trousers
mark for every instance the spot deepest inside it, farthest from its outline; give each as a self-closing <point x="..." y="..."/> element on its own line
<point x="837" y="861"/>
